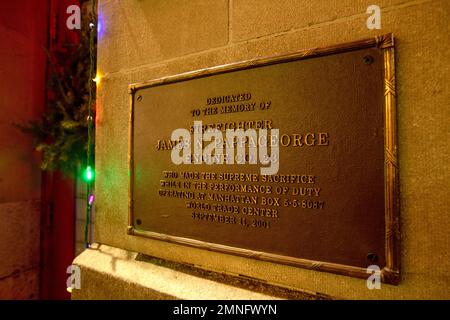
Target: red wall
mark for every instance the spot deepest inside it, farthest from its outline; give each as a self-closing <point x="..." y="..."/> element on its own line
<point x="23" y="35"/>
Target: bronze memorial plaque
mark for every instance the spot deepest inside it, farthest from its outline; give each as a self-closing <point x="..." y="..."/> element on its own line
<point x="289" y="159"/>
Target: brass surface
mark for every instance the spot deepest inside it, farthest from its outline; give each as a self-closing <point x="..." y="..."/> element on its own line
<point x="337" y="210"/>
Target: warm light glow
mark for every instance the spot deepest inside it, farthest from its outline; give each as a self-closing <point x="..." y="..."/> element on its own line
<point x="97" y="78"/>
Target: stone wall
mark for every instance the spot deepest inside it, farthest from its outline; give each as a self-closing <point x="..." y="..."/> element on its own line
<point x="142" y="40"/>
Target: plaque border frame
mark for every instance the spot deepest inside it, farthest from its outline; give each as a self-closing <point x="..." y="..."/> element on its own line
<point x="391" y="272"/>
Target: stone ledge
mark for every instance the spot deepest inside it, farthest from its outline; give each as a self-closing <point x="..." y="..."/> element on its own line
<point x="113" y="273"/>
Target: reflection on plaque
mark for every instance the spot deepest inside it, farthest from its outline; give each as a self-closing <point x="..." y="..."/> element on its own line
<point x="289" y="159"/>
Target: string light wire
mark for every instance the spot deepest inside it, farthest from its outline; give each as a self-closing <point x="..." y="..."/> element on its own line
<point x="90" y="173"/>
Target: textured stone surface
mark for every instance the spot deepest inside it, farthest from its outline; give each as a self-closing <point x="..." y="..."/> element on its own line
<point x="23" y="285"/>
<point x="258" y="18"/>
<point x="112" y="273"/>
<point x="422" y="50"/>
<point x="19" y="250"/>
<point x="151" y="31"/>
<point x="19" y="237"/>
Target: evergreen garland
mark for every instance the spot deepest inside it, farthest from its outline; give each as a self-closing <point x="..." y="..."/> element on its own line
<point x="61" y="134"/>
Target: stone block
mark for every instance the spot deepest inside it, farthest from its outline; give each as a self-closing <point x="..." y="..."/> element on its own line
<point x="143" y="32"/>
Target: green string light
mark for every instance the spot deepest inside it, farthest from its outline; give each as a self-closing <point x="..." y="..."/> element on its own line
<point x="89" y="174"/>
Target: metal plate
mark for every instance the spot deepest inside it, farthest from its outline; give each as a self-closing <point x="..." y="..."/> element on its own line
<point x="332" y="203"/>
